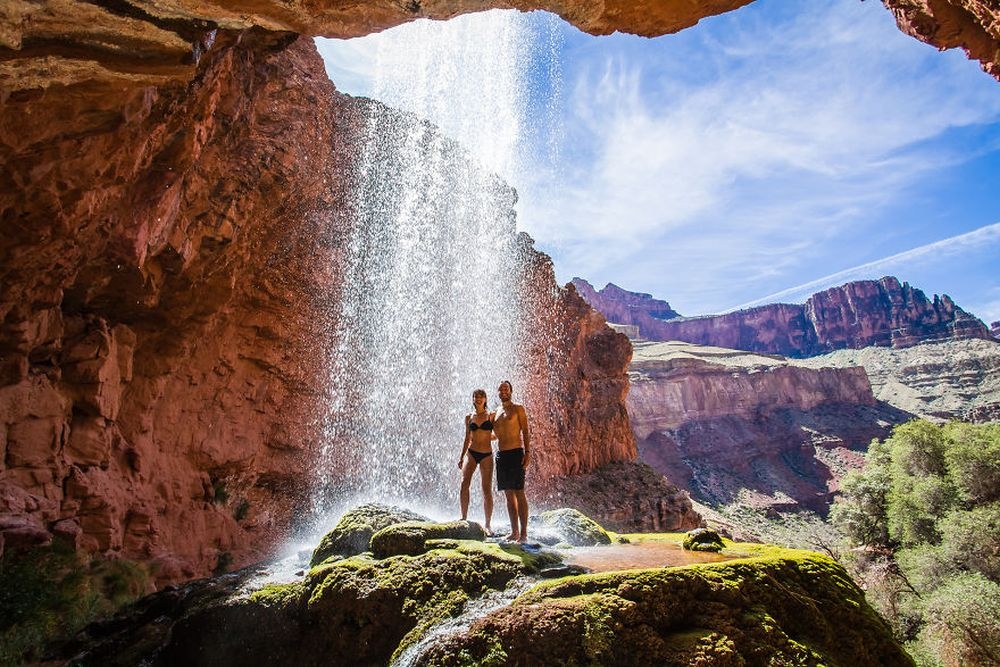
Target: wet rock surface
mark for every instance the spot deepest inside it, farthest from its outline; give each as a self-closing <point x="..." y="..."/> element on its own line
<point x="796" y="608"/>
<point x="779" y="606"/>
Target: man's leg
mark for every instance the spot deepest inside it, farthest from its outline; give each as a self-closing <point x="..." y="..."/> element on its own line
<point x="512" y="513"/>
<point x="522" y="515"/>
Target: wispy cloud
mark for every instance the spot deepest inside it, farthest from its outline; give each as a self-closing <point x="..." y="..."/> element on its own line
<point x="943" y="250"/>
<point x="760" y="148"/>
<point x="739" y="157"/>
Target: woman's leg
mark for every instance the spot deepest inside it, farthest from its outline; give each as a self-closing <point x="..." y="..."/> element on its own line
<point x="463" y="494"/>
<point x="486" y="474"/>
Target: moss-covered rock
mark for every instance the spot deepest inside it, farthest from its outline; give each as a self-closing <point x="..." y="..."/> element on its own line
<point x="409" y="538"/>
<point x="703" y="539"/>
<point x="572" y="527"/>
<point x="354" y="531"/>
<point x="370" y="608"/>
<point x="799" y="608"/>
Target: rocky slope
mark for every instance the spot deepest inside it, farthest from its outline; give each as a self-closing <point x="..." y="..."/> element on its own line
<point x="765" y="430"/>
<point x="855" y="315"/>
<point x="942" y="380"/>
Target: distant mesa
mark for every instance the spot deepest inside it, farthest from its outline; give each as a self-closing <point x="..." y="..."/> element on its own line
<point x="864" y="313"/>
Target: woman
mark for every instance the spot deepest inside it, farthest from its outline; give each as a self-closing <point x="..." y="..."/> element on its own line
<point x="478" y="451"/>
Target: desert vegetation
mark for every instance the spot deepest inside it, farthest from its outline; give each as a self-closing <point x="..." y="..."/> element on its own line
<point x="922" y="522"/>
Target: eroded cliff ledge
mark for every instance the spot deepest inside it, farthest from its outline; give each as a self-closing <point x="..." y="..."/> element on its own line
<point x="152" y="42"/>
<point x="767" y="431"/>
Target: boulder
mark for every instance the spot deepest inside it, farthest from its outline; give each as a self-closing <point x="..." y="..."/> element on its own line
<point x="353" y="533"/>
<point x="790" y="607"/>
<point x="410" y="538"/>
<point x="703" y="539"/>
<point x="572" y="527"/>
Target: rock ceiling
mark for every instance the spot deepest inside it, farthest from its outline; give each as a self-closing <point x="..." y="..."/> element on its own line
<point x="56" y="43"/>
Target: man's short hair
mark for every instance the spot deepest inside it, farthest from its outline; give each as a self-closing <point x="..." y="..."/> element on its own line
<point x="509" y="384"/>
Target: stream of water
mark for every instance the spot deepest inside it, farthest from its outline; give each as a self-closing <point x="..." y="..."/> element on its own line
<point x="425" y="318"/>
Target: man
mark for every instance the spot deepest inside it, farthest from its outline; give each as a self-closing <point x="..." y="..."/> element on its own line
<point x="511" y="428"/>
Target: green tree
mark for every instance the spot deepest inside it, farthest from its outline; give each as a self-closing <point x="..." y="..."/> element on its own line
<point x="920" y="490"/>
<point x="860" y="510"/>
<point x="973" y="461"/>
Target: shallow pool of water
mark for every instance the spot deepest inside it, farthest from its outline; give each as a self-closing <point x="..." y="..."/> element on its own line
<point x="637" y="555"/>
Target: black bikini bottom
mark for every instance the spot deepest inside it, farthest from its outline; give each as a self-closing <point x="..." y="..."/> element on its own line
<point x="479" y="456"/>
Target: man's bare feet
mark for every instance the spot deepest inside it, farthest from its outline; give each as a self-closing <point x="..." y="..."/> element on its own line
<point x="512" y="537"/>
<point x="522" y="540"/>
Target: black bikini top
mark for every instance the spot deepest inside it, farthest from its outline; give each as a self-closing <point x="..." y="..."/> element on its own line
<point x="473" y="426"/>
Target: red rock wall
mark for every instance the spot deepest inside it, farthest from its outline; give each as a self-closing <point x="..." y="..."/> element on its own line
<point x="859" y="314"/>
<point x="624" y="307"/>
<point x="160" y="360"/>
<point x="578" y="383"/>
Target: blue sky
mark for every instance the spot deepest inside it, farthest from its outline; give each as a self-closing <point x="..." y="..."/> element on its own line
<point x="759" y="156"/>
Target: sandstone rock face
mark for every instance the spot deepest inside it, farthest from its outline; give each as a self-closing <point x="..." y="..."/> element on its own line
<point x="159" y="366"/>
<point x="624" y="307"/>
<point x="627" y="497"/>
<point x="859" y="314"/>
<point x="729" y="425"/>
<point x="577" y="366"/>
<point x="64" y="44"/>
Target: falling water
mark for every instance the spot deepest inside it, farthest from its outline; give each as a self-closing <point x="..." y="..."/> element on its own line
<point x="427" y="314"/>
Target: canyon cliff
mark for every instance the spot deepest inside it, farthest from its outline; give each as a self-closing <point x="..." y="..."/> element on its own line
<point x="174" y="183"/>
<point x="859" y="314"/>
<point x="729" y="425"/>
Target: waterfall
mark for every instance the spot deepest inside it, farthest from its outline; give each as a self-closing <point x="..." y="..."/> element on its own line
<point x="427" y="314"/>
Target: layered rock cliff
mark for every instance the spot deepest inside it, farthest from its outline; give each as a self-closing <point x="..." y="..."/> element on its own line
<point x="855" y="315"/>
<point x="160" y="380"/>
<point x="937" y="381"/>
<point x="727" y="425"/>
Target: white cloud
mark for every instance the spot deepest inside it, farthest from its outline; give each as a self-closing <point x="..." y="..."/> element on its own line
<point x="774" y="153"/>
<point x="733" y="159"/>
<point x="946" y="250"/>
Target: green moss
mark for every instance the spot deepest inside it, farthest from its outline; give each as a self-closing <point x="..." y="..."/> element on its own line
<point x="352" y="534"/>
<point x="278" y="595"/>
<point x="788" y="607"/>
<point x="49" y="593"/>
<point x="409" y="537"/>
<point x="703" y="539"/>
